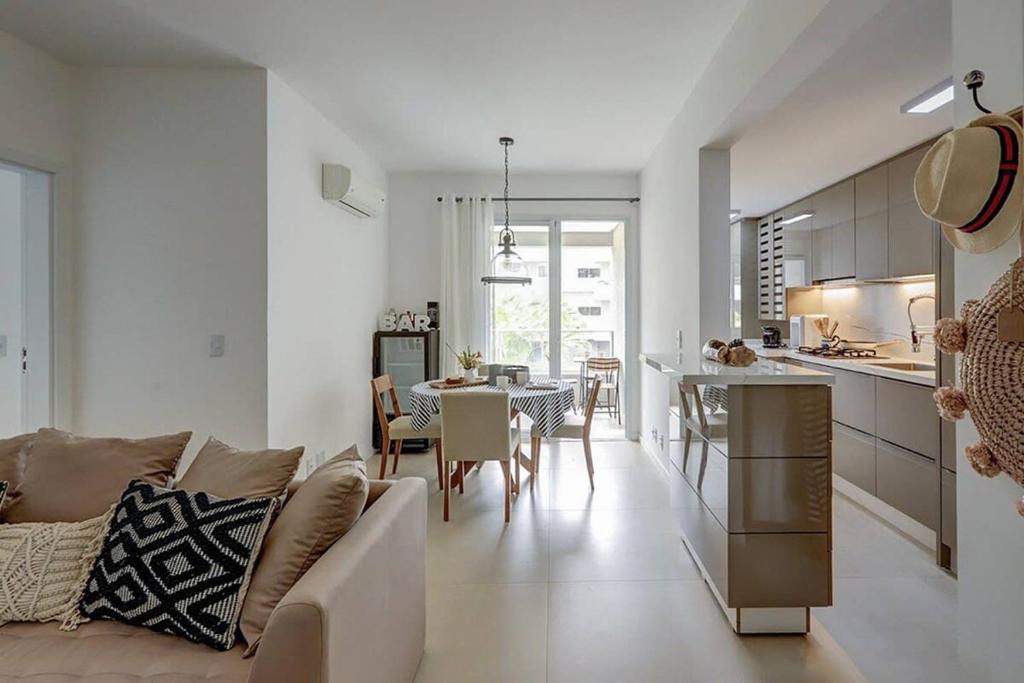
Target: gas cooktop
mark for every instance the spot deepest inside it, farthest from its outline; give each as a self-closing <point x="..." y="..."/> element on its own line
<point x="830" y="352"/>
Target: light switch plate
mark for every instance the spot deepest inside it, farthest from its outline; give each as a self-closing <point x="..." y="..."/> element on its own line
<point x="3" y="345"/>
<point x="216" y="345"/>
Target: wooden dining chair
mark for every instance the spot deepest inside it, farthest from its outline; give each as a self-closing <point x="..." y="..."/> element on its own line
<point x="696" y="420"/>
<point x="574" y="427"/>
<point x="400" y="426"/>
<point x="476" y="429"/>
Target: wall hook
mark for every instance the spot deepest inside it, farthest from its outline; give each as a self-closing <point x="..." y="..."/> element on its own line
<point x="973" y="81"/>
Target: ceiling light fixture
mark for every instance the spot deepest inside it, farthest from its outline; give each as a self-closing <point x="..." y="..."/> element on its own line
<point x="930" y="99"/>
<point x="797" y="218"/>
<point x="507" y="268"/>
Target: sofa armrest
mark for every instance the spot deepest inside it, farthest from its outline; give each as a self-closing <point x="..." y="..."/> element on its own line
<point x="359" y="613"/>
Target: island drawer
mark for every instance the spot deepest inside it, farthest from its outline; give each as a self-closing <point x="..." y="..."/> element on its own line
<point x="853" y="454"/>
<point x="786" y="421"/>
<point x="908" y="482"/>
<point x="780" y="570"/>
<point x="779" y="495"/>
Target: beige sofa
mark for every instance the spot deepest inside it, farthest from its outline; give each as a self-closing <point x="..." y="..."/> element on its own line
<point x="357" y="616"/>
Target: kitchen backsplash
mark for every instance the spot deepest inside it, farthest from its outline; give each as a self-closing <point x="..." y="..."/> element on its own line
<point x="878" y="312"/>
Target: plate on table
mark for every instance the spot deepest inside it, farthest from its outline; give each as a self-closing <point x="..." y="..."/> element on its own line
<point x="543" y="386"/>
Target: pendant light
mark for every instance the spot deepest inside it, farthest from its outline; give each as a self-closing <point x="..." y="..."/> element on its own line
<point x="507" y="268"/>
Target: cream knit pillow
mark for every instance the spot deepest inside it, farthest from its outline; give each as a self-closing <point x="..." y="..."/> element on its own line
<point x="44" y="567"/>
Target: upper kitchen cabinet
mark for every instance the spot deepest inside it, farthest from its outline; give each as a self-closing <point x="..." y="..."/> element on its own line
<point x="911" y="238"/>
<point x="833" y="239"/>
<point x="872" y="220"/>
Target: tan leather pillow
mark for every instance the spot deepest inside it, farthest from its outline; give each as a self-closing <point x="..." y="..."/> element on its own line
<point x="13" y="453"/>
<point x="324" y="508"/>
<point x="72" y="478"/>
<point x="227" y="472"/>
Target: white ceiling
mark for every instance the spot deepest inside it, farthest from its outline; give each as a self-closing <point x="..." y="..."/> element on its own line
<point x="845" y="117"/>
<point x="582" y="86"/>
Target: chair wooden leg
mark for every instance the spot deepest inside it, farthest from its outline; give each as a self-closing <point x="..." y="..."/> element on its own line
<point x="447" y="487"/>
<point x="398" y="453"/>
<point x="687" y="439"/>
<point x="703" y="463"/>
<point x="507" y="470"/>
<point x="590" y="460"/>
<point x="519" y="465"/>
<point x="384" y="448"/>
<point x="440" y="464"/>
<point x="462" y="477"/>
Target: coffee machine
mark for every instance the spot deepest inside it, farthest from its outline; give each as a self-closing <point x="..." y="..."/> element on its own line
<point x="771" y="337"/>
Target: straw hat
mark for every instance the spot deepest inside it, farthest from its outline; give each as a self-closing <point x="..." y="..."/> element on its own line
<point x="971" y="182"/>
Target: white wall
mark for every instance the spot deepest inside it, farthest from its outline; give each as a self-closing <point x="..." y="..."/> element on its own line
<point x="35" y="131"/>
<point x="987" y="35"/>
<point x="10" y="301"/>
<point x="415" y="237"/>
<point x="171" y="228"/>
<point x="327" y="277"/>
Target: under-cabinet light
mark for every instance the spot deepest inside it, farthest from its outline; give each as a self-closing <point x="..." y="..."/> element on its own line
<point x="797" y="218"/>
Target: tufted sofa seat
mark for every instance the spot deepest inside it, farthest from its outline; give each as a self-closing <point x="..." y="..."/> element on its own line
<point x="357" y="616"/>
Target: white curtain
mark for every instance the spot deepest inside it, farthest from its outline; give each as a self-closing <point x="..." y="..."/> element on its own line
<point x="467" y="235"/>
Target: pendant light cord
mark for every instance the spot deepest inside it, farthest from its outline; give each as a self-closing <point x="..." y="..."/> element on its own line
<point x="507" y="230"/>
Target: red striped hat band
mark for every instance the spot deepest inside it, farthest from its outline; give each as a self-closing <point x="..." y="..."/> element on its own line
<point x="1009" y="162"/>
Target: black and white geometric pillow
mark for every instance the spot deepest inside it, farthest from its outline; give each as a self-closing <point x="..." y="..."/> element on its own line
<point x="178" y="562"/>
<point x="3" y="493"/>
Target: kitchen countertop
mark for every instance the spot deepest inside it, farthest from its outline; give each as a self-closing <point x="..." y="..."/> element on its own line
<point x="695" y="369"/>
<point x="868" y="367"/>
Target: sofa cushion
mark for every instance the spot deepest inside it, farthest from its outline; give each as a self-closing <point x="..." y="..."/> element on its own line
<point x="178" y="562"/>
<point x="43" y="567"/>
<point x="109" y="652"/>
<point x="325" y="507"/>
<point x="13" y="452"/>
<point x="227" y="472"/>
<point x="72" y="478"/>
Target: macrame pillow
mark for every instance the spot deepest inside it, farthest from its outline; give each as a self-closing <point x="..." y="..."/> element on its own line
<point x="43" y="568"/>
<point x="178" y="562"/>
<point x="991" y="377"/>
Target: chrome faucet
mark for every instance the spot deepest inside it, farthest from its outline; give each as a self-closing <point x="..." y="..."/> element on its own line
<point x="915" y="335"/>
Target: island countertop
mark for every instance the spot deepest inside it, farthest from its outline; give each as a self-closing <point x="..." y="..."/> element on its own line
<point x="693" y="368"/>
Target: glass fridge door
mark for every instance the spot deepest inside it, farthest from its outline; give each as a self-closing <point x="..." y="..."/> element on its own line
<point x="403" y="358"/>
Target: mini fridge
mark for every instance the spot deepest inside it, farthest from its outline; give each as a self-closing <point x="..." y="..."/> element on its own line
<point x="410" y="358"/>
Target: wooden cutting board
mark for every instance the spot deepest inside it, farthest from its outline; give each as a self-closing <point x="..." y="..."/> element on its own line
<point x="462" y="384"/>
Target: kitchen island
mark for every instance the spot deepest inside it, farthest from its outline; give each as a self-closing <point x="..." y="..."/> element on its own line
<point x="753" y="497"/>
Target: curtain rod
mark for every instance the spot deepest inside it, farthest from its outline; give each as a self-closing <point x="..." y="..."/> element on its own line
<point x="631" y="200"/>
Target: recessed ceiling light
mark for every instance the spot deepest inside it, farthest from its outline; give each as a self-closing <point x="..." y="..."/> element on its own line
<point x="930" y="99"/>
<point x="797" y="218"/>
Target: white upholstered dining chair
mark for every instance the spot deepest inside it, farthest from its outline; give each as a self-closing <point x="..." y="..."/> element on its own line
<point x="574" y="427"/>
<point x="476" y="426"/>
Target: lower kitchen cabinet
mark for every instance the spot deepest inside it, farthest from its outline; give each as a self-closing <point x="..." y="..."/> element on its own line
<point x="853" y="399"/>
<point x="906" y="416"/>
<point x="948" y="535"/>
<point x="853" y="456"/>
<point x="908" y="482"/>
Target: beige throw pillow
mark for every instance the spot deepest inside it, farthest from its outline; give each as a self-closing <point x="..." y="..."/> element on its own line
<point x="227" y="472"/>
<point x="323" y="509"/>
<point x="44" y="567"/>
<point x="72" y="478"/>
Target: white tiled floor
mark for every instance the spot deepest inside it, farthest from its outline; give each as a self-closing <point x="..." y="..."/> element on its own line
<point x="596" y="586"/>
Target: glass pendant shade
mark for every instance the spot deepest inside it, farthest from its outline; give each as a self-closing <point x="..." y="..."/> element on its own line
<point x="507" y="267"/>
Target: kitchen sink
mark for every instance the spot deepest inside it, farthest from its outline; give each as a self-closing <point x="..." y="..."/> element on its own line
<point x="906" y="365"/>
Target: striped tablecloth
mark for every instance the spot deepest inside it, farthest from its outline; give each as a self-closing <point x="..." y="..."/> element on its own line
<point x="546" y="407"/>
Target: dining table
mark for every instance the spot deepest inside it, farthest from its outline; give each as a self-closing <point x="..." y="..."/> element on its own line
<point x="544" y="401"/>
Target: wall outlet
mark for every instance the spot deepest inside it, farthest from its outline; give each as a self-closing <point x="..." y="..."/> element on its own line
<point x="3" y="345"/>
<point x="216" y="345"/>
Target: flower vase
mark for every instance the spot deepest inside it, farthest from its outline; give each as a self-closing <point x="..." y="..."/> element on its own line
<point x="469" y="374"/>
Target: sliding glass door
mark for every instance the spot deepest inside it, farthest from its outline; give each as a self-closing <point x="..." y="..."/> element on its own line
<point x="575" y="304"/>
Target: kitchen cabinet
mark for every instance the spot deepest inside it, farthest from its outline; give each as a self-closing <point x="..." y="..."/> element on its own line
<point x="853" y="399"/>
<point x="821" y="253"/>
<point x="911" y="241"/>
<point x="842" y="202"/>
<point x="853" y="454"/>
<point x="871" y="195"/>
<point x="948" y="511"/>
<point x="843" y="250"/>
<point x="872" y="246"/>
<point x="908" y="482"/>
<point x="906" y="415"/>
<point x="901" y="176"/>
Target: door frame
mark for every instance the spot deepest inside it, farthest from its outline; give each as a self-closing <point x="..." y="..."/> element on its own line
<point x="59" y="256"/>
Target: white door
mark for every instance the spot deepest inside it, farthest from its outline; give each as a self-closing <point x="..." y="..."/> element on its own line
<point x="25" y="300"/>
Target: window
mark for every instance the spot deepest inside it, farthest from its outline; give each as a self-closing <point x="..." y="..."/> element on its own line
<point x="589" y="310"/>
<point x="542" y="270"/>
<point x="587" y="273"/>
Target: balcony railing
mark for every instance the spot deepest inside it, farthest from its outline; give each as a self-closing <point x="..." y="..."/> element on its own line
<point x="532" y="347"/>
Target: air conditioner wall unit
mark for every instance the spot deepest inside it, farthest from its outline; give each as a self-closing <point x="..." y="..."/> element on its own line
<point x="350" y="192"/>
